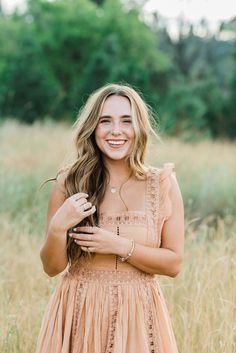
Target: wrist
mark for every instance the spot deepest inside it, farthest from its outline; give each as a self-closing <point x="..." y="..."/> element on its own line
<point x="130" y="253"/>
<point x="55" y="229"/>
<point x="124" y="246"/>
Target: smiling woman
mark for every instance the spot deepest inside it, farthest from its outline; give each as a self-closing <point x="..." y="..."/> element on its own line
<point x="115" y="130"/>
<point x="116" y="223"/>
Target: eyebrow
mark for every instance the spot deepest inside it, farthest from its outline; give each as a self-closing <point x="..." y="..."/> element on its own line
<point x="108" y="116"/>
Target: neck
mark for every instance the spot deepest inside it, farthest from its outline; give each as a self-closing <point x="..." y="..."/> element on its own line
<point x="118" y="170"/>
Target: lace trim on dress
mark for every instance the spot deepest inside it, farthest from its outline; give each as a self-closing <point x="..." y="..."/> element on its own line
<point x="153" y="206"/>
<point x="153" y="193"/>
<point x="125" y="217"/>
<point x="113" y="318"/>
<point x="77" y="310"/>
<point x="149" y="322"/>
<point x="87" y="275"/>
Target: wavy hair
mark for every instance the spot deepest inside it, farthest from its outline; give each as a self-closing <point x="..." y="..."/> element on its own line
<point x="88" y="172"/>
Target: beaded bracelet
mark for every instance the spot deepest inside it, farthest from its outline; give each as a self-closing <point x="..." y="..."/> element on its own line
<point x="129" y="253"/>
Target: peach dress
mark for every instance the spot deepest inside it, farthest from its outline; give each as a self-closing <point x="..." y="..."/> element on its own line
<point x="107" y="306"/>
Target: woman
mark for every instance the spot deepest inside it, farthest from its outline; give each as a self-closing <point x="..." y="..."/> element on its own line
<point x="118" y="224"/>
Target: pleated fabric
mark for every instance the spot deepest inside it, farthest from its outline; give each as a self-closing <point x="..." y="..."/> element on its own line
<point x="107" y="310"/>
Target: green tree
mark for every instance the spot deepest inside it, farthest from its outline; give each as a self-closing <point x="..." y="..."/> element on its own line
<point x="67" y="48"/>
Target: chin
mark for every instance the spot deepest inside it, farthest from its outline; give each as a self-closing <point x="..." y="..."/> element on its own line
<point x="115" y="158"/>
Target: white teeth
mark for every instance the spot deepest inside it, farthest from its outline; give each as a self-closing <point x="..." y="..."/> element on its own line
<point x="116" y="142"/>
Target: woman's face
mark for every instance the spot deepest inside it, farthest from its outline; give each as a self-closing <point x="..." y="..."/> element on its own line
<point x="114" y="133"/>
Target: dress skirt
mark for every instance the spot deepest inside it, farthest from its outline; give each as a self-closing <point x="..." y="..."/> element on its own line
<point x="106" y="311"/>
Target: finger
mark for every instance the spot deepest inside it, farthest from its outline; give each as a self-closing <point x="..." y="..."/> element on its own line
<point x="79" y="195"/>
<point x="89" y="212"/>
<point x="81" y="236"/>
<point x="87" y="206"/>
<point x="84" y="248"/>
<point x="87" y="229"/>
<point x="83" y="243"/>
<point x="81" y="206"/>
<point x="80" y="201"/>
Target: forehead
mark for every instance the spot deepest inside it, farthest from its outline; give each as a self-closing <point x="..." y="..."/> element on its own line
<point x="116" y="105"/>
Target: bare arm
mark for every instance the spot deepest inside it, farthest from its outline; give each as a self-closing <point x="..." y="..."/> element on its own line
<point x="53" y="252"/>
<point x="62" y="215"/>
<point x="167" y="259"/>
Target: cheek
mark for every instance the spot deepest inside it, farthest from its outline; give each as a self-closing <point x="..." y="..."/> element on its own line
<point x="131" y="133"/>
<point x="101" y="130"/>
<point x="99" y="136"/>
<point x="98" y="133"/>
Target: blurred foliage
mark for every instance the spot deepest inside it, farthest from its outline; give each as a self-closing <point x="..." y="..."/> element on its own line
<point x="57" y="52"/>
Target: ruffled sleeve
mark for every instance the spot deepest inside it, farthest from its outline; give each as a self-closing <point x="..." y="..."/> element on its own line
<point x="166" y="173"/>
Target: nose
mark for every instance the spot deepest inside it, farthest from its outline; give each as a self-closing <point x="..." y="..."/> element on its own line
<point x="116" y="129"/>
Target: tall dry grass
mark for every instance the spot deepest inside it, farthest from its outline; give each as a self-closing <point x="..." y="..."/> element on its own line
<point x="201" y="299"/>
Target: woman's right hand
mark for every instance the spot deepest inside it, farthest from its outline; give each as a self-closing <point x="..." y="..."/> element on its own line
<point x="74" y="209"/>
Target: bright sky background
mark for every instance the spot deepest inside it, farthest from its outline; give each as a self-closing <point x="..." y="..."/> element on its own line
<point x="193" y="10"/>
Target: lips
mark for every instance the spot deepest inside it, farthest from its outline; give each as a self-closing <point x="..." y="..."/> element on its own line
<point x="116" y="143"/>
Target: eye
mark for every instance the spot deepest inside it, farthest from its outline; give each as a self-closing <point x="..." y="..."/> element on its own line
<point x="104" y="121"/>
<point x="128" y="121"/>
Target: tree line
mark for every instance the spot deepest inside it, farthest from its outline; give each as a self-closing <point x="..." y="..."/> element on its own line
<point x="56" y="53"/>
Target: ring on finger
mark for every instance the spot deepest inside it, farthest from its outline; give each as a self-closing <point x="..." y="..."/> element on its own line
<point x="83" y="207"/>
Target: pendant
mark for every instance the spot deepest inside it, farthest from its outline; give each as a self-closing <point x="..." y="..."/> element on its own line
<point x="113" y="189"/>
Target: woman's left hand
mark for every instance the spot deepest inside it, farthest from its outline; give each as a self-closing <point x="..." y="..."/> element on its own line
<point x="99" y="240"/>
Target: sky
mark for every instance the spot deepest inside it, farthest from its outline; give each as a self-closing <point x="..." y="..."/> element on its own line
<point x="193" y="10"/>
<point x="212" y="10"/>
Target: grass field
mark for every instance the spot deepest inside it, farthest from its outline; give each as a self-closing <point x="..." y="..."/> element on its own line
<point x="201" y="299"/>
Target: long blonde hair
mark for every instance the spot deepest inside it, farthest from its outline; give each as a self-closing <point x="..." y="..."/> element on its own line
<point x="88" y="172"/>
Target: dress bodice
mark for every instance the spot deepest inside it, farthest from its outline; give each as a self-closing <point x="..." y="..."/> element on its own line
<point x="144" y="227"/>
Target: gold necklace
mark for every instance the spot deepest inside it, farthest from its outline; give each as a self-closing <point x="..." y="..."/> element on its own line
<point x="113" y="190"/>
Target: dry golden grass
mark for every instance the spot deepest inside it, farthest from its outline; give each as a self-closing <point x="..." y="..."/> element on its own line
<point x="201" y="299"/>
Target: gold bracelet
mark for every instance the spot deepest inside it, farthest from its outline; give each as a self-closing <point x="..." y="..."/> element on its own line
<point x="123" y="259"/>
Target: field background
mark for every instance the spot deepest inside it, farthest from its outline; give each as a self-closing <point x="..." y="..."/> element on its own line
<point x="201" y="299"/>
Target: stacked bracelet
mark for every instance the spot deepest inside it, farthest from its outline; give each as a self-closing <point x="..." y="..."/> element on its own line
<point x="129" y="253"/>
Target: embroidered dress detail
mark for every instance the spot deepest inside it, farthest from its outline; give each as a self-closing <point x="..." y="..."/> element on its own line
<point x="126" y="217"/>
<point x="153" y="206"/>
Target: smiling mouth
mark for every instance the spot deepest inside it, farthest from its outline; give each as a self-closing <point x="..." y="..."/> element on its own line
<point x="116" y="143"/>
